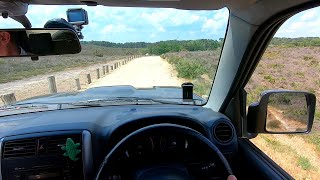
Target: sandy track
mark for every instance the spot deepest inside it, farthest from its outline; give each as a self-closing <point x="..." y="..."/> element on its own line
<point x="142" y="72"/>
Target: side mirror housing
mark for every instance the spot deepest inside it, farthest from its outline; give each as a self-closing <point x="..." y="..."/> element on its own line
<point x="282" y="112"/>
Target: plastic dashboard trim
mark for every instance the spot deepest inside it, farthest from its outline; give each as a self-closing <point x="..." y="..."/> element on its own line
<point x="46" y="133"/>
<point x="87" y="157"/>
<point x="1" y="143"/>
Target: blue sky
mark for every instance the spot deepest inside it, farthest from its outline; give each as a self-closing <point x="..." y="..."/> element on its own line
<point x="151" y="25"/>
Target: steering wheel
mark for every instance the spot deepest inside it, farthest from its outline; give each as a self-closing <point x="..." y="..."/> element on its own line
<point x="160" y="172"/>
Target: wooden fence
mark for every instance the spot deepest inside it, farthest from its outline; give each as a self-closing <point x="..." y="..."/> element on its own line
<point x="10" y="98"/>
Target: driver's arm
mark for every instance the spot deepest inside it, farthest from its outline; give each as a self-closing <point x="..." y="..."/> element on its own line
<point x="232" y="177"/>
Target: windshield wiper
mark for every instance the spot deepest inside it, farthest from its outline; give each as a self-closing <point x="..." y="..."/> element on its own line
<point x="24" y="106"/>
<point x="97" y="103"/>
<point x="122" y="101"/>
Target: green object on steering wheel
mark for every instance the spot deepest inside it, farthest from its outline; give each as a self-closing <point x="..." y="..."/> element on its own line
<point x="71" y="149"/>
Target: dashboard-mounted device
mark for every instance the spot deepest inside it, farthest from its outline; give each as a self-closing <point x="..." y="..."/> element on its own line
<point x="77" y="18"/>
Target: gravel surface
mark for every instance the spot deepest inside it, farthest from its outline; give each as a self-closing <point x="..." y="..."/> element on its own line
<point x="142" y="72"/>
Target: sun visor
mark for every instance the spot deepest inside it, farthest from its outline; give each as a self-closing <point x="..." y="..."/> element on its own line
<point x="13" y="8"/>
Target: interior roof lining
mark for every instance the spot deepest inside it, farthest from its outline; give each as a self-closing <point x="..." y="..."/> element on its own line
<point x="179" y="4"/>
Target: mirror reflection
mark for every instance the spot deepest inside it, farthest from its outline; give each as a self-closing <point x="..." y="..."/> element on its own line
<point x="287" y="112"/>
<point x="33" y="42"/>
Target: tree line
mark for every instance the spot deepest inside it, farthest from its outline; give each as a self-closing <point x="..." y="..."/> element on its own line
<point x="295" y="42"/>
<point x="163" y="47"/>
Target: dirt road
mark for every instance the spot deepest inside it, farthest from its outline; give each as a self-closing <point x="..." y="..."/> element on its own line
<point x="142" y="72"/>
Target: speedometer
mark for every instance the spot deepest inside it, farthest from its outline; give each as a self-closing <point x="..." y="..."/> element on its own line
<point x="140" y="147"/>
<point x="173" y="143"/>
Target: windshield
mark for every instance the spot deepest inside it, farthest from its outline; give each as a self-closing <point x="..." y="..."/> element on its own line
<point x="126" y="52"/>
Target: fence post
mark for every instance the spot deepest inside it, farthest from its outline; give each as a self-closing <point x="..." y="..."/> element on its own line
<point x="52" y="85"/>
<point x="107" y="69"/>
<point x="103" y="70"/>
<point x="89" y="78"/>
<point x="78" y="84"/>
<point x="8" y="98"/>
<point x="111" y="68"/>
<point x="115" y="65"/>
<point x="98" y="73"/>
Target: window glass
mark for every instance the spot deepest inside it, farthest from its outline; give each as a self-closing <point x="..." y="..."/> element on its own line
<point x="292" y="61"/>
<point x="122" y="46"/>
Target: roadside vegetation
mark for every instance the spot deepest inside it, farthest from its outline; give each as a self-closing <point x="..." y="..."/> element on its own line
<point x="197" y="67"/>
<point x="20" y="68"/>
<point x="287" y="64"/>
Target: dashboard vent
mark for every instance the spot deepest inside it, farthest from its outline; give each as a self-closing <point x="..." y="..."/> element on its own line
<point x="223" y="132"/>
<point x="55" y="143"/>
<point x="20" y="148"/>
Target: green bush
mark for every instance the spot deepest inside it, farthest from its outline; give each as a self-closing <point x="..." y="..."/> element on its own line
<point x="187" y="69"/>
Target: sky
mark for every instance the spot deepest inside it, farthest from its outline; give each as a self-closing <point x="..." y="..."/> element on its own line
<point x="119" y="24"/>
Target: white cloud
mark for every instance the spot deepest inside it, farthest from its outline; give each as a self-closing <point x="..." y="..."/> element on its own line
<point x="116" y="28"/>
<point x="217" y="22"/>
<point x="107" y="28"/>
<point x="309" y="15"/>
<point x="115" y="23"/>
<point x="304" y="24"/>
<point x="209" y="24"/>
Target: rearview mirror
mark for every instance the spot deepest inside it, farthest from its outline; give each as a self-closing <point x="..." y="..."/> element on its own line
<point x="281" y="112"/>
<point x="38" y="42"/>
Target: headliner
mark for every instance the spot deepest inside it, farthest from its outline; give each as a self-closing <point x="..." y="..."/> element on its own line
<point x="179" y="4"/>
<point x="253" y="12"/>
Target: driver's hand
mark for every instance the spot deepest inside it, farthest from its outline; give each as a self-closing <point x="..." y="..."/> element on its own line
<point x="232" y="177"/>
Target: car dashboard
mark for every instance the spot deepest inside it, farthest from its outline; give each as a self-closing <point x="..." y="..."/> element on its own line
<point x="31" y="144"/>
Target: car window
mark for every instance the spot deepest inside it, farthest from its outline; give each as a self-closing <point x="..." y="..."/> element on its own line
<point x="292" y="61"/>
<point x="138" y="47"/>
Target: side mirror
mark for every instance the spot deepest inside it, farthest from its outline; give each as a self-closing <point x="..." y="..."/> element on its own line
<point x="282" y="112"/>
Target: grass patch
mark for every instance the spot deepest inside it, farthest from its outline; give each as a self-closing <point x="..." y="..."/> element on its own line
<point x="314" y="63"/>
<point x="276" y="66"/>
<point x="317" y="115"/>
<point x="294" y="85"/>
<point x="276" y="145"/>
<point x="304" y="163"/>
<point x="271" y="55"/>
<point x="254" y="93"/>
<point x="314" y="139"/>
<point x="202" y="87"/>
<point x="317" y="82"/>
<point x="307" y="58"/>
<point x="300" y="74"/>
<point x="270" y="79"/>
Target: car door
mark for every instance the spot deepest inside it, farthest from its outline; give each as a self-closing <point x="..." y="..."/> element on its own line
<point x="291" y="61"/>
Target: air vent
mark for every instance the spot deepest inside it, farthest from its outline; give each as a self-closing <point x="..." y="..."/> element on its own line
<point x="20" y="148"/>
<point x="223" y="132"/>
<point x="54" y="143"/>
